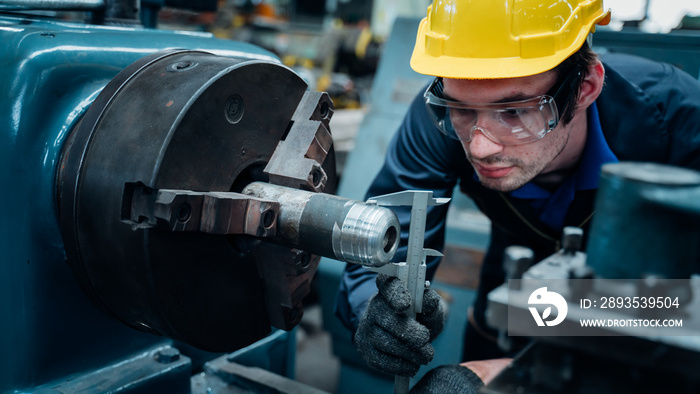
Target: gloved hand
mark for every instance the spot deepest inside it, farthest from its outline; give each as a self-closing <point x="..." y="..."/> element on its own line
<point x="453" y="379"/>
<point x="388" y="340"/>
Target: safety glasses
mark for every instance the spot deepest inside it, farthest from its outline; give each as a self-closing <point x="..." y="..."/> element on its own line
<point x="511" y="123"/>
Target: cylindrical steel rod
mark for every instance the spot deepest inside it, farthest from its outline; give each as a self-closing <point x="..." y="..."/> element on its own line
<point x="332" y="226"/>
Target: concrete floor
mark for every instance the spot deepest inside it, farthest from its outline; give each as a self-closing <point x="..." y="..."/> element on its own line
<point x="316" y="366"/>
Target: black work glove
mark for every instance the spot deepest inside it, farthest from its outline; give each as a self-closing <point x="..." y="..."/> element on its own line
<point x="453" y="379"/>
<point x="390" y="341"/>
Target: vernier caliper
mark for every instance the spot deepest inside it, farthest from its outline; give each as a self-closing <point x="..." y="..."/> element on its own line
<point x="411" y="273"/>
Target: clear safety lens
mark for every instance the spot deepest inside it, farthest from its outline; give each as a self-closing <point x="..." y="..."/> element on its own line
<point x="511" y="123"/>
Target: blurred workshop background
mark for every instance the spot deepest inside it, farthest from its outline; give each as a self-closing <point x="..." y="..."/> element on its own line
<point x="358" y="52"/>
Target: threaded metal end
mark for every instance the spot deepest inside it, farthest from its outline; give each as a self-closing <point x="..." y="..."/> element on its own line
<point x="369" y="235"/>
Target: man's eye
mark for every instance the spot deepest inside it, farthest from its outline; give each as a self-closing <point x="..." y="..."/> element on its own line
<point x="515" y="111"/>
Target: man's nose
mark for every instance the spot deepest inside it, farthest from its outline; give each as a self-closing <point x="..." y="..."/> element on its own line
<point x="481" y="146"/>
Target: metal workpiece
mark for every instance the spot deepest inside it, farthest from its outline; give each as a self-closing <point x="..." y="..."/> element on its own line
<point x="149" y="194"/>
<point x="332" y="226"/>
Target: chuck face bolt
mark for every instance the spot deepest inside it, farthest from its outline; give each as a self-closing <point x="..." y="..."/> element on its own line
<point x="167" y="355"/>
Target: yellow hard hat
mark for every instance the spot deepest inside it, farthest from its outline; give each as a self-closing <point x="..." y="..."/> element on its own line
<point x="502" y="38"/>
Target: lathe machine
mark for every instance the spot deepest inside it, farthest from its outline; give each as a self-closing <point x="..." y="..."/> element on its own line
<point x="164" y="191"/>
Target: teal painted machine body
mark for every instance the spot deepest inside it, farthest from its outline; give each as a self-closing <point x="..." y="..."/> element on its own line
<point x="50" y="74"/>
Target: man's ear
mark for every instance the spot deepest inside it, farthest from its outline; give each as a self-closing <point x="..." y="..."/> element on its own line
<point x="591" y="86"/>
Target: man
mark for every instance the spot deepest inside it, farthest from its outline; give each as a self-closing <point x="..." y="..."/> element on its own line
<point x="522" y="115"/>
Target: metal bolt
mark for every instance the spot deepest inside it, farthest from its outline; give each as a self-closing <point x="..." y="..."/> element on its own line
<point x="517" y="260"/>
<point x="324" y="110"/>
<point x="302" y="260"/>
<point x="167" y="355"/>
<point x="184" y="212"/>
<point x="181" y="66"/>
<point x="268" y="218"/>
<point x="572" y="239"/>
<point x="316" y="178"/>
<point x="234" y="109"/>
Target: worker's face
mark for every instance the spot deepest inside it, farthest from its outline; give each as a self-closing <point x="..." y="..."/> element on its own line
<point x="507" y="167"/>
